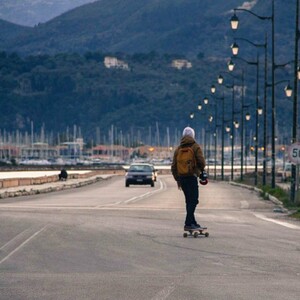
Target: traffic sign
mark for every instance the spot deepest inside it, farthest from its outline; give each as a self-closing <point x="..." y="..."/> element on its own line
<point x="294" y="153"/>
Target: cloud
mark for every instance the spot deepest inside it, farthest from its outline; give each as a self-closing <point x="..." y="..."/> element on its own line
<point x="248" y="4"/>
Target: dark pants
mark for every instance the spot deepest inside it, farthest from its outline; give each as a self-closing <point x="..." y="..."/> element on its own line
<point x="189" y="185"/>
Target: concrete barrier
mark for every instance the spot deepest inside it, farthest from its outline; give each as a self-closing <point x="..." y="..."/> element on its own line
<point x="7" y="183"/>
<point x="15" y="182"/>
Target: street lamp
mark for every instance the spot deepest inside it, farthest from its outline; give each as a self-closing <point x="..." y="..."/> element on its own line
<point x="230" y="66"/>
<point x="235" y="51"/>
<point x="220" y="79"/>
<point x="234" y="22"/>
<point x="234" y="25"/>
<point x="295" y="106"/>
<point x="288" y="91"/>
<point x="213" y="89"/>
<point x="256" y="63"/>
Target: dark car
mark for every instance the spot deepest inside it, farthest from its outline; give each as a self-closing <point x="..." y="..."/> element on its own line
<point x="139" y="173"/>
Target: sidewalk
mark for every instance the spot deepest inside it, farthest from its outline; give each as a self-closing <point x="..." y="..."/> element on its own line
<point x="51" y="186"/>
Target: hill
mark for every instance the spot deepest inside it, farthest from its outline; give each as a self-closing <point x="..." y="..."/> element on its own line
<point x="165" y="26"/>
<point x="32" y="12"/>
<point x="10" y="32"/>
<point x="130" y="26"/>
<point x="58" y="78"/>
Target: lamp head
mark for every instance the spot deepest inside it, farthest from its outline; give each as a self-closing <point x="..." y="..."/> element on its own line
<point x="234" y="21"/>
<point x="288" y="91"/>
<point x="235" y="49"/>
<point x="230" y="65"/>
<point x="220" y="79"/>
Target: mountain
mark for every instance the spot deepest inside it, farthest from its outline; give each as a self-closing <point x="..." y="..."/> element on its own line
<point x="53" y="73"/>
<point x="10" y="32"/>
<point x="32" y="12"/>
<point x="166" y="26"/>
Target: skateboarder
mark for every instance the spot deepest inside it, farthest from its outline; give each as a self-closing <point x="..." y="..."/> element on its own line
<point x="188" y="163"/>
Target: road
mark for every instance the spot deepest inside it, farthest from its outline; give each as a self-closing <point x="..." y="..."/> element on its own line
<point x="105" y="241"/>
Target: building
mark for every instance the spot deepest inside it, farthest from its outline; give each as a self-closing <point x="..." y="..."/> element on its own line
<point x="181" y="63"/>
<point x="113" y="62"/>
<point x="110" y="152"/>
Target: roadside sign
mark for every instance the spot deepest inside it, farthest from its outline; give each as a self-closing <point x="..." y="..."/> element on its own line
<point x="294" y="153"/>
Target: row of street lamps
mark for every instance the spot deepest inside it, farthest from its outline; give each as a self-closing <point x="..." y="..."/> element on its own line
<point x="259" y="110"/>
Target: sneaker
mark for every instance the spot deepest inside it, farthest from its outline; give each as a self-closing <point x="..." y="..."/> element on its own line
<point x="190" y="227"/>
<point x="197" y="225"/>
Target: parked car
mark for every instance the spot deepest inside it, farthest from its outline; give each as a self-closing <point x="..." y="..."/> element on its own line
<point x="140" y="173"/>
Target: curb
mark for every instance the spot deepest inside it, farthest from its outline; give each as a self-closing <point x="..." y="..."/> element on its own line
<point x="59" y="186"/>
<point x="273" y="199"/>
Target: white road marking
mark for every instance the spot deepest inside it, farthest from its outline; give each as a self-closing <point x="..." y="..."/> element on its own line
<point x="140" y="197"/>
<point x="12" y="240"/>
<point x="285" y="224"/>
<point x="23" y="244"/>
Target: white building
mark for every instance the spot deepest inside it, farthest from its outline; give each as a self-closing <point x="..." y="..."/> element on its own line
<point x="181" y="63"/>
<point x="113" y="62"/>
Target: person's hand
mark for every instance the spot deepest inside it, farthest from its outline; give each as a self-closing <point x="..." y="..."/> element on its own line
<point x="179" y="185"/>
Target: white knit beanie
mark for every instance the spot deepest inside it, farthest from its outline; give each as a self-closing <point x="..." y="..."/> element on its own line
<point x="188" y="131"/>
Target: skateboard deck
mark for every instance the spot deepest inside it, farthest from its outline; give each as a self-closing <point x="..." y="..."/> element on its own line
<point x="196" y="232"/>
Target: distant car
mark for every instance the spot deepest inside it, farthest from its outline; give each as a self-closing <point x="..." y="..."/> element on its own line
<point x="140" y="173"/>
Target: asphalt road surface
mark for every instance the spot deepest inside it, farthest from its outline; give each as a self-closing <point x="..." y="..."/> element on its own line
<point x="105" y="241"/>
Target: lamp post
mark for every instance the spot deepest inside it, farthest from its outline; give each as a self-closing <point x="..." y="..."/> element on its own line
<point x="247" y="117"/>
<point x="234" y="26"/>
<point x="232" y="129"/>
<point x="220" y="81"/>
<point x="213" y="91"/>
<point x="295" y="105"/>
<point x="235" y="51"/>
<point x="192" y="116"/>
<point x="230" y="66"/>
<point x="256" y="63"/>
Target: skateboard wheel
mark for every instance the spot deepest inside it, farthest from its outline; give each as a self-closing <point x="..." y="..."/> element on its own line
<point x="206" y="234"/>
<point x="196" y="234"/>
<point x="185" y="235"/>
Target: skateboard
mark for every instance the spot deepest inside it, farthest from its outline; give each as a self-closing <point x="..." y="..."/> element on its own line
<point x="196" y="232"/>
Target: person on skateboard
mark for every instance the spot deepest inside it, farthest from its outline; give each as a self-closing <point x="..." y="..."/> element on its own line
<point x="188" y="163"/>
